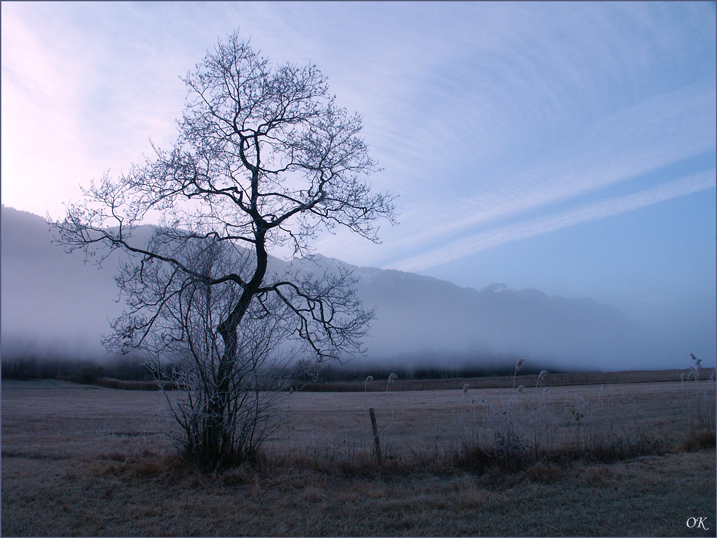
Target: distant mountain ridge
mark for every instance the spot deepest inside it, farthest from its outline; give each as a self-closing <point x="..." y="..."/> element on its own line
<point x="436" y="319"/>
<point x="53" y="302"/>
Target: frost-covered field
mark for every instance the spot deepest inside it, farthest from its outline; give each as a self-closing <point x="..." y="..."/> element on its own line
<point x="83" y="460"/>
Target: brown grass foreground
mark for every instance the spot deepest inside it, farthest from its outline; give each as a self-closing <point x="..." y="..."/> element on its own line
<point x="83" y="460"/>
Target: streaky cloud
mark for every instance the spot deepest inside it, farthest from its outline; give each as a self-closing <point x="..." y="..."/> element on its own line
<point x="597" y="210"/>
<point x="630" y="143"/>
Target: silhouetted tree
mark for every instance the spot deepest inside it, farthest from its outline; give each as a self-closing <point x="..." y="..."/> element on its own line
<point x="264" y="157"/>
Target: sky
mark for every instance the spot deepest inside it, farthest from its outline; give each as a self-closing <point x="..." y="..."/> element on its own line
<point x="566" y="146"/>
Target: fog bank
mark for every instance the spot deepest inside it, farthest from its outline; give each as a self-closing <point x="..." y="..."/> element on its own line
<point x="56" y="305"/>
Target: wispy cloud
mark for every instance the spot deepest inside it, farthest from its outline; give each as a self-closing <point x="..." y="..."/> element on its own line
<point x="588" y="212"/>
<point x="622" y="148"/>
<point x="479" y="112"/>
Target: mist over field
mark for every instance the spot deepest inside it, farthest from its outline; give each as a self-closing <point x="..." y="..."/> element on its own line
<point x="54" y="305"/>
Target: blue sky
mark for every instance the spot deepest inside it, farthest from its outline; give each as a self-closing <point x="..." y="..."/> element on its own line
<point x="568" y="147"/>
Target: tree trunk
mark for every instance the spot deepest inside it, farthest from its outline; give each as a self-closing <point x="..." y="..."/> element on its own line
<point x="218" y="448"/>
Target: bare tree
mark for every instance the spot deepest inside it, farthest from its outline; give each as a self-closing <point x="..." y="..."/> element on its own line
<point x="264" y="157"/>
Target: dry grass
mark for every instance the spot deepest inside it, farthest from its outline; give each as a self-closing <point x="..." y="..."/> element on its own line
<point x="496" y="382"/>
<point x="80" y="460"/>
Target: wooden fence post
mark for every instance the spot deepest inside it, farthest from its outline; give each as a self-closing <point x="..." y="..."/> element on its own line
<point x="376" y="441"/>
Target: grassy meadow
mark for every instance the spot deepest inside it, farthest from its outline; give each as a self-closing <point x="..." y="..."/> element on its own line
<point x="623" y="459"/>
